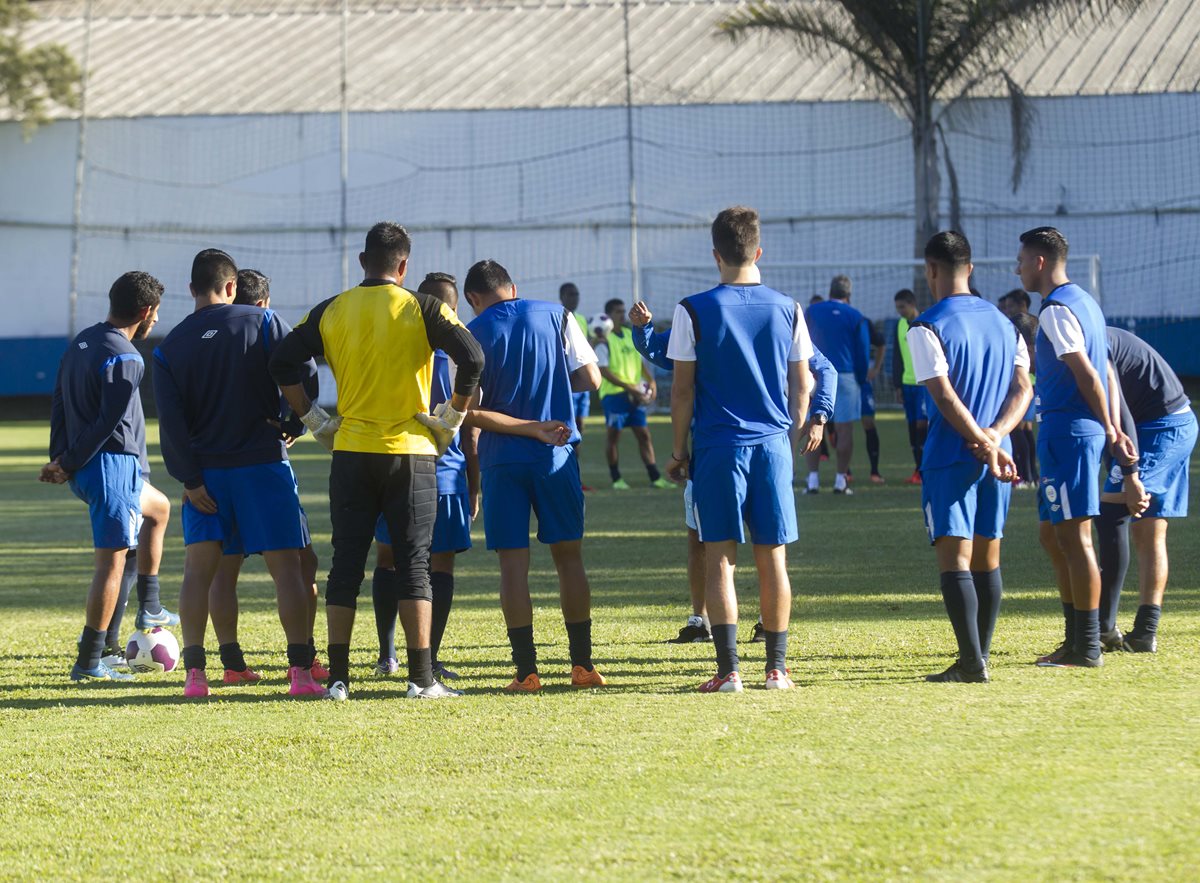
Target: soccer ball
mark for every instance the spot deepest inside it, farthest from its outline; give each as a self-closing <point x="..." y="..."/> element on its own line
<point x="600" y="325"/>
<point x="154" y="651"/>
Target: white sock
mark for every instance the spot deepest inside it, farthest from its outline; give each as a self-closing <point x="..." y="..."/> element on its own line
<point x="839" y="483"/>
<point x="814" y="479"/>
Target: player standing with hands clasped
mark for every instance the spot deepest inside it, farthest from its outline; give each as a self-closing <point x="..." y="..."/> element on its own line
<point x="976" y="368"/>
<point x="737" y="350"/>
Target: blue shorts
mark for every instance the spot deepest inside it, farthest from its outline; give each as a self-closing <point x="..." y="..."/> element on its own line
<point x="847" y="406"/>
<point x="451" y="530"/>
<point x="916" y="402"/>
<point x="111" y="485"/>
<point x="964" y="500"/>
<point x="1070" y="484"/>
<point x="689" y="514"/>
<point x="258" y="510"/>
<point x="620" y="412"/>
<point x="1166" y="448"/>
<point x="867" y="391"/>
<point x="550" y="488"/>
<point x="583" y="405"/>
<point x="751" y="483"/>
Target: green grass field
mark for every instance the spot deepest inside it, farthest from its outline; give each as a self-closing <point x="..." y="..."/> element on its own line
<point x="864" y="772"/>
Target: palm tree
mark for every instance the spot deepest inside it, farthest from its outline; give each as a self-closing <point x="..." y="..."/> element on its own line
<point x="926" y="57"/>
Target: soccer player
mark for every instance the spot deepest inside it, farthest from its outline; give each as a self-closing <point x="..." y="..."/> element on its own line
<point x="568" y="296"/>
<point x="98" y="447"/>
<point x="878" y="345"/>
<point x="254" y="289"/>
<point x="737" y="350"/>
<point x="912" y="394"/>
<point x="219" y="411"/>
<point x="1071" y="360"/>
<point x="379" y="340"/>
<point x="1155" y="410"/>
<point x="653" y="347"/>
<point x="535" y="358"/>
<point x="841" y="333"/>
<point x="457" y="506"/>
<point x="975" y="367"/>
<point x="1015" y="305"/>
<point x="627" y="386"/>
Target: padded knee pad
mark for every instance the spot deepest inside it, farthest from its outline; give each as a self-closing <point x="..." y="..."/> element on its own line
<point x="342" y="594"/>
<point x="414" y="585"/>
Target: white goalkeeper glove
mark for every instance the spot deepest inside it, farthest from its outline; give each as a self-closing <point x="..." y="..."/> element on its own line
<point x="321" y="425"/>
<point x="444" y="422"/>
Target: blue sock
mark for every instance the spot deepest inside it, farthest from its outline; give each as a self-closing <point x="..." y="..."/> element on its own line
<point x="147" y="594"/>
<point x="1112" y="550"/>
<point x="1146" y="621"/>
<point x="962" y="606"/>
<point x="91" y="648"/>
<point x="1087" y="633"/>
<point x="725" y="642"/>
<point x="776" y="650"/>
<point x="383" y="596"/>
<point x="1069" y="616"/>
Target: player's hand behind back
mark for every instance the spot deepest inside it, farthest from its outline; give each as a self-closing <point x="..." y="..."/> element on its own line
<point x="53" y="473"/>
<point x="552" y="432"/>
<point x="1137" y="500"/>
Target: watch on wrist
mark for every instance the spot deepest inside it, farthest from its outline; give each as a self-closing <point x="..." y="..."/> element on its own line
<point x="820" y="419"/>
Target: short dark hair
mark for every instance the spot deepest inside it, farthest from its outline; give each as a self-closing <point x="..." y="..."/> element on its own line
<point x="1020" y="295"/>
<point x="387" y="245"/>
<point x="486" y="277"/>
<point x="252" y="287"/>
<point x="612" y="302"/>
<point x="211" y="269"/>
<point x="1046" y="241"/>
<point x="840" y="287"/>
<point x="735" y="235"/>
<point x="443" y="286"/>
<point x="905" y="295"/>
<point x="132" y="293"/>
<point x="566" y="287"/>
<point x="815" y="299"/>
<point x="949" y="248"/>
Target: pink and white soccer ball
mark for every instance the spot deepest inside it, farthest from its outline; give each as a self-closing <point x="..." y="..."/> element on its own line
<point x="152" y="651"/>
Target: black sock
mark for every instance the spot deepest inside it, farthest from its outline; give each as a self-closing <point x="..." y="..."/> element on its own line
<point x="147" y="594"/>
<point x="339" y="664"/>
<point x="128" y="579"/>
<point x="1145" y="623"/>
<point x="1087" y="633"/>
<point x="776" y="650"/>
<point x="958" y="592"/>
<point x="194" y="657"/>
<point x="1031" y="441"/>
<point x="384" y="598"/>
<point x="615" y="471"/>
<point x="313" y="646"/>
<point x="90" y="648"/>
<point x="579" y="638"/>
<point x="914" y="444"/>
<point x="1020" y="454"/>
<point x="988" y="590"/>
<point x="1069" y="616"/>
<point x="232" y="657"/>
<point x="524" y="654"/>
<point x="420" y="667"/>
<point x="1112" y="532"/>
<point x="652" y="471"/>
<point x="443" y="599"/>
<point x="725" y="643"/>
<point x="299" y="656"/>
<point x="873" y="449"/>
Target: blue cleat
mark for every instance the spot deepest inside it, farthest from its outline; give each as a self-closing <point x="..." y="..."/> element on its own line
<point x="100" y="673"/>
<point x="163" y="619"/>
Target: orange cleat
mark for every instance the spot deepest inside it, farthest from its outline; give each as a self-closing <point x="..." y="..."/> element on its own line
<point x="581" y="677"/>
<point x="531" y="684"/>
<point x="320" y="672"/>
<point x="915" y="478"/>
<point x="248" y="676"/>
<point x="876" y="478"/>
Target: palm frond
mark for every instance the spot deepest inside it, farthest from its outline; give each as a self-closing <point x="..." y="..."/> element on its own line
<point x="952" y="174"/>
<point x="1022" y="112"/>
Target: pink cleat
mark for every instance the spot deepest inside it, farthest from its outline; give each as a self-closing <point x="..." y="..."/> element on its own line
<point x="303" y="683"/>
<point x="246" y="676"/>
<point x="319" y="672"/>
<point x="195" y="686"/>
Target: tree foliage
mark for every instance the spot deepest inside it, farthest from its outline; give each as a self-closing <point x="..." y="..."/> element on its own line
<point x="32" y="79"/>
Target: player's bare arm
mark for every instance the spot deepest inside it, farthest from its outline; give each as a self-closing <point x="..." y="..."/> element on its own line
<point x="683" y="404"/>
<point x="1092" y="390"/>
<point x="586" y="378"/>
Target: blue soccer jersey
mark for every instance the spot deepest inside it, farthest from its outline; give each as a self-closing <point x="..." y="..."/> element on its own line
<point x="843" y="334"/>
<point x="96" y="406"/>
<point x="530" y="349"/>
<point x="970" y="342"/>
<point x="741" y="339"/>
<point x="1061" y="409"/>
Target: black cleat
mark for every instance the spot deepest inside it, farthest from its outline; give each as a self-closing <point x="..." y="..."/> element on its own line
<point x="1054" y="655"/>
<point x="759" y="634"/>
<point x="1071" y="659"/>
<point x="847" y="490"/>
<point x="812" y="490"/>
<point x="1112" y="642"/>
<point x="1135" y="643"/>
<point x="692" y="633"/>
<point x="956" y="674"/>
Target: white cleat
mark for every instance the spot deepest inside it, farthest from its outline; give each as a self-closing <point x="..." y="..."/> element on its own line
<point x="436" y="690"/>
<point x="779" y="680"/>
<point x="115" y="660"/>
<point x="339" y="692"/>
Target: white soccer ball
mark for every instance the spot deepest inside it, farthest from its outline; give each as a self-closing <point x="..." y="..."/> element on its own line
<point x="152" y="651"/>
<point x="600" y="325"/>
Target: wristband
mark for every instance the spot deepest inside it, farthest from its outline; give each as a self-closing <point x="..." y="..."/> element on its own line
<point x="677" y="458"/>
<point x="1131" y="469"/>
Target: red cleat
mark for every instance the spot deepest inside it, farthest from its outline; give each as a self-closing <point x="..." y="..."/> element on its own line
<point x="246" y="676"/>
<point x="915" y="478"/>
<point x="320" y="672"/>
